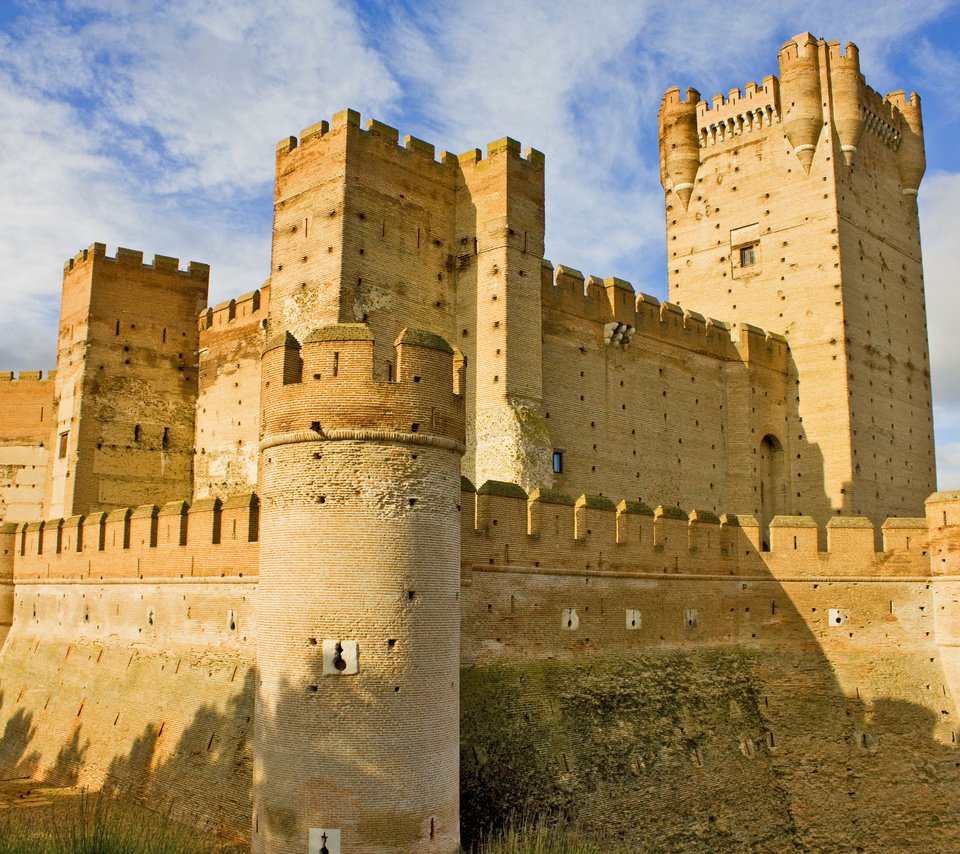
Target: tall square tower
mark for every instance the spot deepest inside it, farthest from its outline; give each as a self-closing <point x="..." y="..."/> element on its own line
<point x="126" y="388"/>
<point x="792" y="205"/>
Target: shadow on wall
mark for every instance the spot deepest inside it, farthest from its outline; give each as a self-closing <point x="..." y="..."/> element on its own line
<point x="377" y="805"/>
<point x="749" y="731"/>
<point x="203" y="781"/>
<point x="765" y="736"/>
<point x="18" y="732"/>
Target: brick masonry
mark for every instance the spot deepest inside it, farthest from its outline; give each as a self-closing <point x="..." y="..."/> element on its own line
<point x="240" y="574"/>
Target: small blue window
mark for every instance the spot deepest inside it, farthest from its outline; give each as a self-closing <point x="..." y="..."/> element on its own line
<point x="558" y="462"/>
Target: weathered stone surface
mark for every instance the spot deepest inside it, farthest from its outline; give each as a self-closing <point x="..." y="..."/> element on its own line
<point x="740" y="669"/>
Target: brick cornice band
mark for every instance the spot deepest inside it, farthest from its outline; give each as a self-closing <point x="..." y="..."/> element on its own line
<point x="368" y="435"/>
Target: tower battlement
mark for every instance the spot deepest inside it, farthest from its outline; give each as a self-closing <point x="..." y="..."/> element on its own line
<point x="793" y="99"/>
<point x="765" y="94"/>
<point x="327" y="384"/>
<point x="134" y="258"/>
<point x="350" y="121"/>
<point x="840" y="54"/>
<point x="245" y="309"/>
<point x="802" y="46"/>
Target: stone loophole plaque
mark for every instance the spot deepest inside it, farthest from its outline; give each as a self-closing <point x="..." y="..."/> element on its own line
<point x="324" y="840"/>
<point x="341" y="657"/>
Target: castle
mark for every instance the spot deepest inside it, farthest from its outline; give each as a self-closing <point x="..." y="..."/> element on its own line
<point x="309" y="569"/>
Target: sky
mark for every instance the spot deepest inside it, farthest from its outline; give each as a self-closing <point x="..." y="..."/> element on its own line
<point x="152" y="125"/>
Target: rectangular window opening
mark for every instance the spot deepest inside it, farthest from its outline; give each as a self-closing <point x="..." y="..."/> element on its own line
<point x="62" y="447"/>
<point x="558" y="462"/>
<point x="748" y="255"/>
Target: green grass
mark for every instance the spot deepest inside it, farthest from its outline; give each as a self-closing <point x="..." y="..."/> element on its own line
<point x="98" y="824"/>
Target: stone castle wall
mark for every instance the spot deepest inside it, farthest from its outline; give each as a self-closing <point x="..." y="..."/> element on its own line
<point x="133" y="666"/>
<point x="26" y="410"/>
<point x="627" y="379"/>
<point x="671" y="687"/>
<point x="232" y="335"/>
<point x="130" y="664"/>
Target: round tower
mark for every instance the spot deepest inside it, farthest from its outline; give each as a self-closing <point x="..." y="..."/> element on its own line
<point x="356" y="739"/>
<point x="847" y="86"/>
<point x="679" y="143"/>
<point x="800" y="103"/>
<point x="911" y="159"/>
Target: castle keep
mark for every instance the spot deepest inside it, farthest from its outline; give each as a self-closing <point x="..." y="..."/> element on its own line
<point x="428" y="528"/>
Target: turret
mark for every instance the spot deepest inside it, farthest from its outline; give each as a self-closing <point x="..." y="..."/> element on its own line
<point x="800" y="101"/>
<point x="847" y="85"/>
<point x="357" y="714"/>
<point x="911" y="160"/>
<point x="679" y="143"/>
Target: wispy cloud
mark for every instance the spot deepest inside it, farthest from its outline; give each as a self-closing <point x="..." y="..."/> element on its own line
<point x="128" y="124"/>
<point x="584" y="83"/>
<point x="941" y="262"/>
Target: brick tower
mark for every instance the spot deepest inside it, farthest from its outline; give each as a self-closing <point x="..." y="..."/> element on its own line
<point x="792" y="205"/>
<point x="126" y="390"/>
<point x="356" y="740"/>
<point x="369" y="230"/>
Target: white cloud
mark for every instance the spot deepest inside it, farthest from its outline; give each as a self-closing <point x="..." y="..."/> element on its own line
<point x="948" y="466"/>
<point x="132" y="125"/>
<point x="152" y="125"/>
<point x="941" y="263"/>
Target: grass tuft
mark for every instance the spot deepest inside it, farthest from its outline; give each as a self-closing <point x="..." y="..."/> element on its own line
<point x="98" y="824"/>
<point x="537" y="836"/>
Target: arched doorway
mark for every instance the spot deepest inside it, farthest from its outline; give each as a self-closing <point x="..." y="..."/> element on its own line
<point x="772" y="486"/>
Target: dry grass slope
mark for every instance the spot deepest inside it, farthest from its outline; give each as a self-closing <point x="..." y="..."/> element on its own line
<point x="97" y="824"/>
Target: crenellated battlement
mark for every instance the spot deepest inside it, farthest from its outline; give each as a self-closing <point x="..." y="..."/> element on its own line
<point x="901" y="101"/>
<point x="798" y="48"/>
<point x="882" y="118"/>
<point x="27" y="377"/>
<point x="348" y="122"/>
<point x="134" y="258"/>
<point x="674" y="96"/>
<point x="329" y="383"/>
<point x="839" y="54"/>
<point x="738" y="113"/>
<point x="246" y="309"/>
<point x="208" y="539"/>
<point x="504" y="146"/>
<point x="622" y="313"/>
<point x="548" y="531"/>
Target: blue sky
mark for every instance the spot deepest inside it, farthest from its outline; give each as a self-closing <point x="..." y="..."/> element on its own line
<point x="152" y="125"/>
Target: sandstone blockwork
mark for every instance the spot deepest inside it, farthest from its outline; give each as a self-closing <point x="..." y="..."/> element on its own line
<point x="428" y="534"/>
